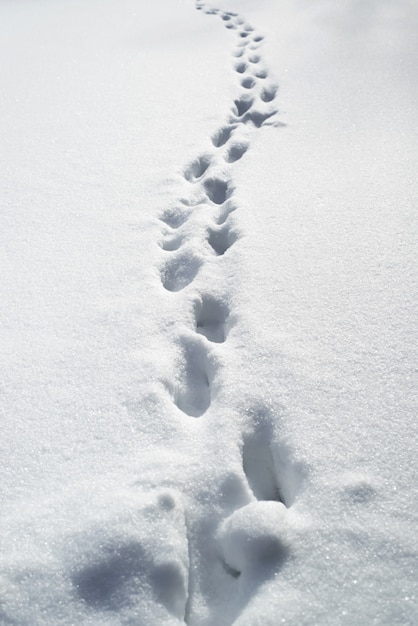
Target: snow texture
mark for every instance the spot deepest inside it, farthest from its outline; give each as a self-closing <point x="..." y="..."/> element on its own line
<point x="208" y="312"/>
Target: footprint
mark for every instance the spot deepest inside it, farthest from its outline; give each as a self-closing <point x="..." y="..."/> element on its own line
<point x="211" y="316"/>
<point x="192" y="391"/>
<point x="109" y="582"/>
<point x="261" y="73"/>
<point x="241" y="67"/>
<point x="226" y="17"/>
<point x="268" y="93"/>
<point x="248" y="82"/>
<point x="257" y="38"/>
<point x="243" y="34"/>
<point x="236" y="151"/>
<point x="179" y="272"/>
<point x="242" y="105"/>
<point x="222" y="135"/>
<point x="257" y="459"/>
<point x="257" y="118"/>
<point x="172" y="244"/>
<point x="238" y="52"/>
<point x="197" y="168"/>
<point x="217" y="190"/>
<point x="175" y="217"/>
<point x="254" y="58"/>
<point x="221" y="239"/>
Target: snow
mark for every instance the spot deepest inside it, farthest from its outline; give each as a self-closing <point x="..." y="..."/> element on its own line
<point x="208" y="312"/>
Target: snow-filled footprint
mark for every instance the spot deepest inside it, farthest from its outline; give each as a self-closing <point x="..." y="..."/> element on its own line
<point x="179" y="271"/>
<point x="211" y="316"/>
<point x="192" y="389"/>
<point x="195" y="170"/>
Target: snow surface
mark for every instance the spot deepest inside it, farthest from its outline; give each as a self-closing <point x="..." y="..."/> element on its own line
<point x="208" y="310"/>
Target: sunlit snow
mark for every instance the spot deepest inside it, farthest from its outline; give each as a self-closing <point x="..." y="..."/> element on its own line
<point x="208" y="305"/>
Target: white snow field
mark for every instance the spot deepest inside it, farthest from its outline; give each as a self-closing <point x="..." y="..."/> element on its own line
<point x="208" y="303"/>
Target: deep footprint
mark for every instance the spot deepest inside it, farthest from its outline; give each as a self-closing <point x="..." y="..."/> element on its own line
<point x="179" y="272"/>
<point x="242" y="105"/>
<point x="236" y="151"/>
<point x="211" y="316"/>
<point x="268" y="93"/>
<point x="257" y="461"/>
<point x="222" y="135"/>
<point x="221" y="239"/>
<point x="257" y="118"/>
<point x="192" y="392"/>
<point x="241" y="67"/>
<point x="248" y="82"/>
<point x="217" y="190"/>
<point x="197" y="168"/>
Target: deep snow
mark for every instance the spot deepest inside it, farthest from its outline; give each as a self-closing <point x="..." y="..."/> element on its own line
<point x="208" y="312"/>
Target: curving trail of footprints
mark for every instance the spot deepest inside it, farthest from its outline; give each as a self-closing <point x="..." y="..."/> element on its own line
<point x="211" y="187"/>
<point x="205" y="215"/>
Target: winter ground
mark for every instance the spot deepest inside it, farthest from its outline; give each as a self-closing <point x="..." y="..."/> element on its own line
<point x="208" y="312"/>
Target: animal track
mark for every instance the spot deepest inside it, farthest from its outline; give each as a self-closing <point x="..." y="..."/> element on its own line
<point x="258" y="118"/>
<point x="197" y="168"/>
<point x="241" y="67"/>
<point x="179" y="271"/>
<point x="236" y="151"/>
<point x="268" y="93"/>
<point x="217" y="190"/>
<point x="254" y="58"/>
<point x="222" y="135"/>
<point x="175" y="217"/>
<point x="211" y="316"/>
<point x="261" y="74"/>
<point x="192" y="391"/>
<point x="221" y="239"/>
<point x="257" y="457"/>
<point x="248" y="82"/>
<point x="242" y="105"/>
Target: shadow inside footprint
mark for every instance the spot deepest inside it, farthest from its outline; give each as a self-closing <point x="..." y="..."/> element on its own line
<point x="248" y="82"/>
<point x="192" y="391"/>
<point x="242" y="105"/>
<point x="221" y="239"/>
<point x="175" y="217"/>
<point x="241" y="67"/>
<point x="197" y="168"/>
<point x="257" y="118"/>
<point x="112" y="581"/>
<point x="211" y="315"/>
<point x="268" y="93"/>
<point x="217" y="190"/>
<point x="222" y="135"/>
<point x="257" y="458"/>
<point x="179" y="272"/>
<point x="236" y="151"/>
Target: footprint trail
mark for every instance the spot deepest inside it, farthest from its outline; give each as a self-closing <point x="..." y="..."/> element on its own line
<point x="200" y="233"/>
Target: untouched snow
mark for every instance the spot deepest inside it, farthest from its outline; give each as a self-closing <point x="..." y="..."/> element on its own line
<point x="208" y="312"/>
